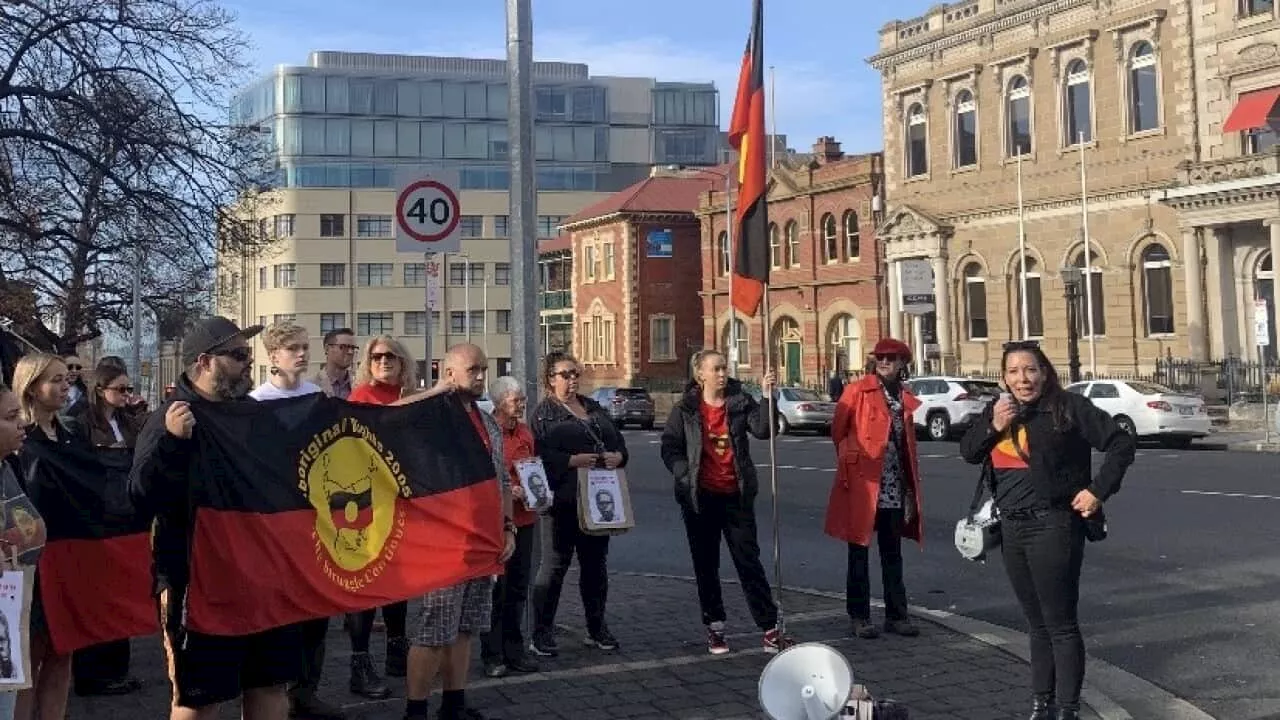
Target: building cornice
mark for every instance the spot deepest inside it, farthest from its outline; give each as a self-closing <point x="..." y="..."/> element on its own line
<point x="824" y="188"/>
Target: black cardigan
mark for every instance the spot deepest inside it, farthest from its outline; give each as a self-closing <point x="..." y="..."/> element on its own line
<point x="558" y="435"/>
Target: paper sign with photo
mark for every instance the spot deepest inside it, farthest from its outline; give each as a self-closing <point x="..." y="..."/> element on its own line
<point x="23" y="532"/>
<point x="533" y="478"/>
<point x="605" y="494"/>
<point x="15" y="604"/>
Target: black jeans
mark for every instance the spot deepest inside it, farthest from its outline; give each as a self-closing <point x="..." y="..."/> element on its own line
<point x="99" y="665"/>
<point x="504" y="641"/>
<point x="360" y="625"/>
<point x="313" y="637"/>
<point x="858" y="579"/>
<point x="1043" y="553"/>
<point x="561" y="538"/>
<point x="728" y="516"/>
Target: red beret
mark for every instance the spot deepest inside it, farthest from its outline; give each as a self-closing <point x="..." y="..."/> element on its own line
<point x="890" y="346"/>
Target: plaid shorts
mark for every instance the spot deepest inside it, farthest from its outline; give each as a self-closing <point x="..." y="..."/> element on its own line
<point x="463" y="608"/>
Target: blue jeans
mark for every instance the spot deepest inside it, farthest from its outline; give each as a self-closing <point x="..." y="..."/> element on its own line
<point x="8" y="704"/>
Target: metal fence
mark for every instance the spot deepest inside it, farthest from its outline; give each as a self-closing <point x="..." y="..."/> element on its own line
<point x="1231" y="380"/>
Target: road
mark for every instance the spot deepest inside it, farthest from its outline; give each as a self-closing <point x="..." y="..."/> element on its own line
<point x="1184" y="593"/>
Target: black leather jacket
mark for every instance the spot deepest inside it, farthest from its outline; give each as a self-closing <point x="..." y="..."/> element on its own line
<point x="682" y="440"/>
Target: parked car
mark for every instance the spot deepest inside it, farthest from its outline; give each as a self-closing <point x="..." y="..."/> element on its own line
<point x="626" y="405"/>
<point x="949" y="405"/>
<point x="803" y="409"/>
<point x="1146" y="410"/>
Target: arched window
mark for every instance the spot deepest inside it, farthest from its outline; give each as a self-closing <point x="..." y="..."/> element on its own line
<point x="975" y="301"/>
<point x="1157" y="285"/>
<point x="830" y="240"/>
<point x="793" y="244"/>
<point x="844" y="343"/>
<point x="1091" y="282"/>
<point x="1035" y="302"/>
<point x="852" y="236"/>
<point x="917" y="142"/>
<point x="1264" y="284"/>
<point x="1076" y="105"/>
<point x="775" y="247"/>
<point x="743" y="342"/>
<point x="1018" y="117"/>
<point x="966" y="130"/>
<point x="723" y="261"/>
<point x="1144" y="89"/>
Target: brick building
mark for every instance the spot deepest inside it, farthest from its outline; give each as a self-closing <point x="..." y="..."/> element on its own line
<point x="636" y="277"/>
<point x="825" y="295"/>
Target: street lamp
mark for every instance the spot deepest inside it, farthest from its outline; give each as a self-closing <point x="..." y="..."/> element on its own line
<point x="1071" y="278"/>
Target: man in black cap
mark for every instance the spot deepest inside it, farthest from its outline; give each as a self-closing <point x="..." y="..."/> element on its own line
<point x="205" y="670"/>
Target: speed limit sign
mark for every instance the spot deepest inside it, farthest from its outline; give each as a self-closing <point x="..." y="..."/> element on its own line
<point x="427" y="216"/>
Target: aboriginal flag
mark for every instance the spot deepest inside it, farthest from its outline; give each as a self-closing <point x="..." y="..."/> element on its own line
<point x="95" y="569"/>
<point x="312" y="507"/>
<point x="747" y="136"/>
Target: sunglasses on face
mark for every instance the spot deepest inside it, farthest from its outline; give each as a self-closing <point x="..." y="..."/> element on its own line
<point x="75" y="367"/>
<point x="567" y="374"/>
<point x="383" y="357"/>
<point x="886" y="357"/>
<point x="345" y="348"/>
<point x="242" y="354"/>
<point x="126" y="389"/>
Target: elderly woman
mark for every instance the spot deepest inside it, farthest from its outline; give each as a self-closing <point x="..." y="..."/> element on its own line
<point x="502" y="648"/>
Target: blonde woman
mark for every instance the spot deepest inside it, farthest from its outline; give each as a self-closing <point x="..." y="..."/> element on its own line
<point x="386" y="374"/>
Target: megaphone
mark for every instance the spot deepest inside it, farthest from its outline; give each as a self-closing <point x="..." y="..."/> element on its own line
<point x="810" y="681"/>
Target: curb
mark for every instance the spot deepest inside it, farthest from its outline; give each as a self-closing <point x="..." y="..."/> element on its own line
<point x="1104" y="692"/>
<point x="1255" y="447"/>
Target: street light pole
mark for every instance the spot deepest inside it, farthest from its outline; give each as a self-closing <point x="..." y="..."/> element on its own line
<point x="522" y="198"/>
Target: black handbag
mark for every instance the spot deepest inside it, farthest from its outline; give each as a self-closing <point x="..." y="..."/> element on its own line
<point x="1095" y="526"/>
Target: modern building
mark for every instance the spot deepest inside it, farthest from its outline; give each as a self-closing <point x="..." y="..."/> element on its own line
<point x="978" y="94"/>
<point x="347" y="127"/>
<point x="555" y="297"/>
<point x="825" y="280"/>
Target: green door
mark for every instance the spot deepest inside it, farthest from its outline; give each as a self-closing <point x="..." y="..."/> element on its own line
<point x="793" y="363"/>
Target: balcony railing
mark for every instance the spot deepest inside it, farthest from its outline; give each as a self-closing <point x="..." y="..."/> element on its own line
<point x="1236" y="168"/>
<point x="555" y="300"/>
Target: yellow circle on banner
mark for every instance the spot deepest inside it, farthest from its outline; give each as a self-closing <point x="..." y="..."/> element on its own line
<point x="354" y="494"/>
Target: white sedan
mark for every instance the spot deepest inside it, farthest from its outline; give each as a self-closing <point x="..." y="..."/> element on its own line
<point x="1146" y="410"/>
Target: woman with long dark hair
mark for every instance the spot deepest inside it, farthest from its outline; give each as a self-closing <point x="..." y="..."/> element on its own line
<point x="1035" y="445"/>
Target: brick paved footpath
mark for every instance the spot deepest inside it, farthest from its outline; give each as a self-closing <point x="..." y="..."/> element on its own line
<point x="662" y="669"/>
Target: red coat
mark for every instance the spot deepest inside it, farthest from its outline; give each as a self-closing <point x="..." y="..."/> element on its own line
<point x="860" y="431"/>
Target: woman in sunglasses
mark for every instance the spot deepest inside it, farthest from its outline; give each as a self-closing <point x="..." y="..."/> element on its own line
<point x="877" y="486"/>
<point x="1035" y="444"/>
<point x="571" y="432"/>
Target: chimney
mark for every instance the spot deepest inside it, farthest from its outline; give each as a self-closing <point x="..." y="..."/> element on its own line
<point x="827" y="150"/>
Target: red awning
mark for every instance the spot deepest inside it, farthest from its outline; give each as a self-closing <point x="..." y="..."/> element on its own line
<point x="1252" y="110"/>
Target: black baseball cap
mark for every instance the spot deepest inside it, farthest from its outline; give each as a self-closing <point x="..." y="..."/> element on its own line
<point x="211" y="333"/>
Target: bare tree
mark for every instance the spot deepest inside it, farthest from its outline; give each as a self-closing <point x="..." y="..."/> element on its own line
<point x="109" y="164"/>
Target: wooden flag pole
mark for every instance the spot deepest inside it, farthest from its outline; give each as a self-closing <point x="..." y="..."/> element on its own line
<point x="773" y="462"/>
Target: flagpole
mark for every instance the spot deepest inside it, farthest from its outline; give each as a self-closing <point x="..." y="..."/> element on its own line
<point x="729" y="250"/>
<point x="1022" y="251"/>
<point x="1088" y="259"/>
<point x="773" y="464"/>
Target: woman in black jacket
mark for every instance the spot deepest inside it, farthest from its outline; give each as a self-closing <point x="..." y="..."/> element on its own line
<point x="571" y="432"/>
<point x="706" y="448"/>
<point x="1037" y="442"/>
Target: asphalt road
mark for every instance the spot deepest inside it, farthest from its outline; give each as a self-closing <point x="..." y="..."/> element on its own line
<point x="1184" y="593"/>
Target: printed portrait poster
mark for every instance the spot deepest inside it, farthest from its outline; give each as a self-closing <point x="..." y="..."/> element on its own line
<point x="15" y="607"/>
<point x="24" y="534"/>
<point x="533" y="478"/>
<point x="604" y="501"/>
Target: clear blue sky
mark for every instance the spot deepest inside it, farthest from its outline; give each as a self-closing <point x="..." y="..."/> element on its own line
<point x="818" y="47"/>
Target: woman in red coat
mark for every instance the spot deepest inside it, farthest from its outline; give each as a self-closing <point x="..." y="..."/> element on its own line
<point x="877" y="486"/>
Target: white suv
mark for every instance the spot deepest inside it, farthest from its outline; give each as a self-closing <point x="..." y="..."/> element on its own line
<point x="949" y="405"/>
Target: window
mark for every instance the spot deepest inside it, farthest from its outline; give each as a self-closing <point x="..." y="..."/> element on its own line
<point x="373" y="274"/>
<point x="1103" y="391"/>
<point x="917" y="142"/>
<point x="1249" y="8"/>
<point x="332" y="321"/>
<point x="471" y="226"/>
<point x="1157" y="276"/>
<point x="1035" y="301"/>
<point x="723" y="261"/>
<point x="262" y="278"/>
<point x="332" y="226"/>
<point x="378" y="323"/>
<point x="1076" y="105"/>
<point x="852" y="236"/>
<point x="775" y="247"/>
<point x="280" y="318"/>
<point x="502" y="321"/>
<point x="608" y="260"/>
<point x="844" y="343"/>
<point x="966" y="130"/>
<point x="1264" y="281"/>
<point x="1018" y="117"/>
<point x="477" y="321"/>
<point x="502" y="226"/>
<point x="1144" y="89"/>
<point x="549" y="225"/>
<point x="662" y="343"/>
<point x="415" y="322"/>
<point x="373" y="226"/>
<point x="793" y="244"/>
<point x="457" y="274"/>
<point x="477" y="271"/>
<point x="743" y="342"/>
<point x="975" y="301"/>
<point x="589" y="267"/>
<point x="457" y="322"/>
<point x="333" y="275"/>
<point x="286" y="275"/>
<point x="502" y="273"/>
<point x="285" y="225"/>
<point x="597" y="337"/>
<point x="415" y="275"/>
<point x="830" y="241"/>
<point x="1092" y="279"/>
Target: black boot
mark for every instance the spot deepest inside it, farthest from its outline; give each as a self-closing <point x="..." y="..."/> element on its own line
<point x="397" y="657"/>
<point x="1068" y="714"/>
<point x="1042" y="707"/>
<point x="364" y="679"/>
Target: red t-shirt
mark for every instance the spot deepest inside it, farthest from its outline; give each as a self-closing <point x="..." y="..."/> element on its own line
<point x="478" y="422"/>
<point x="374" y="394"/>
<point x="716" y="470"/>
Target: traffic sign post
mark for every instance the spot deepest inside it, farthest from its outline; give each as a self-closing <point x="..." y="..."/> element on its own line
<point x="427" y="217"/>
<point x="1262" y="338"/>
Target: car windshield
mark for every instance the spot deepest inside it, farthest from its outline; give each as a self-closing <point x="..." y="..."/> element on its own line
<point x="981" y="387"/>
<point x="1149" y="388"/>
<point x="632" y="393"/>
<point x="801" y="395"/>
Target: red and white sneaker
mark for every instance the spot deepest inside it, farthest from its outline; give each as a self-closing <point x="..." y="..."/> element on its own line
<point x="775" y="641"/>
<point x="717" y="644"/>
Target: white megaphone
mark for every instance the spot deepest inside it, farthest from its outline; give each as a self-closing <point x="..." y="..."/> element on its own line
<point x="810" y="681"/>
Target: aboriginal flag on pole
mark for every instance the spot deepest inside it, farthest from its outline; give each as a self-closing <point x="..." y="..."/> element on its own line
<point x="312" y="507"/>
<point x="95" y="569"/>
<point x="747" y="136"/>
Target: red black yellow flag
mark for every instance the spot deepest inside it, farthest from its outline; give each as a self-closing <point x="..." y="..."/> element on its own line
<point x="95" y="568"/>
<point x="312" y="507"/>
<point x="747" y="136"/>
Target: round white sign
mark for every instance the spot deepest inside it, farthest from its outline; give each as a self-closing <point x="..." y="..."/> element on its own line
<point x="428" y="211"/>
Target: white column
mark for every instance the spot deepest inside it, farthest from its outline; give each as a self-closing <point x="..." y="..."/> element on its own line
<point x="1197" y="338"/>
<point x="895" y="300"/>
<point x="1216" y="293"/>
<point x="942" y="303"/>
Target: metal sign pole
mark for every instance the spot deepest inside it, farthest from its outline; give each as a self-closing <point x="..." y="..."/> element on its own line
<point x="428" y="329"/>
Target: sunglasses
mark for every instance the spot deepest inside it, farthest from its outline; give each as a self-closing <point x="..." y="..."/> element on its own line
<point x="75" y="367"/>
<point x="1021" y="345"/>
<point x="242" y="355"/>
<point x="127" y="389"/>
<point x="887" y="357"/>
<point x="346" y="348"/>
<point x="567" y="374"/>
<point x="383" y="357"/>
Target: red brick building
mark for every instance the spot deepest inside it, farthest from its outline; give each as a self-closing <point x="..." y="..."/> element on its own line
<point x="826" y="285"/>
<point x="637" y="272"/>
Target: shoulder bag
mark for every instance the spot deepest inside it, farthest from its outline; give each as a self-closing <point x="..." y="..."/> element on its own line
<point x="978" y="532"/>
